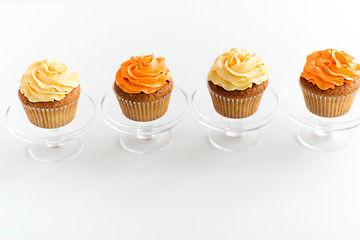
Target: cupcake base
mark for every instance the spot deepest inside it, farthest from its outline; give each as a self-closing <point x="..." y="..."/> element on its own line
<point x="328" y="106"/>
<point x="143" y="107"/>
<point x="329" y="103"/>
<point x="51" y="117"/>
<point x="237" y="103"/>
<point x="52" y="114"/>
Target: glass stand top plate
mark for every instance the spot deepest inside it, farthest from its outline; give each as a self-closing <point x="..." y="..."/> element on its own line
<point x="204" y="111"/>
<point x="22" y="128"/>
<point x="114" y="117"/>
<point x="295" y="106"/>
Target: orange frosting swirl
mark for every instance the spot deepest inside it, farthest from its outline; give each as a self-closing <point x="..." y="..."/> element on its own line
<point x="329" y="68"/>
<point x="142" y="74"/>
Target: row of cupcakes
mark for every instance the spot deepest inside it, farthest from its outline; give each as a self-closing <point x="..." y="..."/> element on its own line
<point x="236" y="81"/>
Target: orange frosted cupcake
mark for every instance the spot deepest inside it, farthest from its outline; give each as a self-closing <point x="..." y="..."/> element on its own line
<point x="49" y="94"/>
<point x="143" y="88"/>
<point x="329" y="82"/>
<point x="236" y="82"/>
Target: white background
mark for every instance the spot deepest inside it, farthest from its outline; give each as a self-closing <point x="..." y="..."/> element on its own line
<point x="279" y="190"/>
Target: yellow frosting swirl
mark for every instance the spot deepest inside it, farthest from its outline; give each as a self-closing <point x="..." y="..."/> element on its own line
<point x="46" y="81"/>
<point x="238" y="70"/>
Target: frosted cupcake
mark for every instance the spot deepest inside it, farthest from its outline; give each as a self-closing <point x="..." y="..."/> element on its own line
<point x="143" y="88"/>
<point x="236" y="82"/>
<point x="49" y="94"/>
<point x="329" y="82"/>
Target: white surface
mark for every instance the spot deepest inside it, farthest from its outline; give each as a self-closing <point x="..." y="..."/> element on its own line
<point x="279" y="190"/>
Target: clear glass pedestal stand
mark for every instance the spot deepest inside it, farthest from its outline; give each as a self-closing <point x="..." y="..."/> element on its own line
<point x="52" y="145"/>
<point x="319" y="133"/>
<point x="145" y="137"/>
<point x="233" y="134"/>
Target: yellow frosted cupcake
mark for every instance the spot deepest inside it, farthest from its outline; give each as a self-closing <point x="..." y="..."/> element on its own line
<point x="49" y="94"/>
<point x="236" y="82"/>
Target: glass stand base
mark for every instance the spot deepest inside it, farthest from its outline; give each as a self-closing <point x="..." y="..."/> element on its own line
<point x="55" y="153"/>
<point x="230" y="141"/>
<point x="323" y="141"/>
<point x="145" y="143"/>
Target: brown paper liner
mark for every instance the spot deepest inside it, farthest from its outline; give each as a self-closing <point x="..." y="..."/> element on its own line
<point x="144" y="111"/>
<point x="235" y="107"/>
<point x="51" y="117"/>
<point x="325" y="106"/>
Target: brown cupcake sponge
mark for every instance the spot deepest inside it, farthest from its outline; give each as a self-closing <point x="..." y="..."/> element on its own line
<point x="69" y="98"/>
<point x="343" y="90"/>
<point x="237" y="103"/>
<point x="143" y="97"/>
<point x="249" y="92"/>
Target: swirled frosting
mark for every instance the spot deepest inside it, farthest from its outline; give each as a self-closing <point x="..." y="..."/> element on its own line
<point x="142" y="74"/>
<point x="46" y="81"/>
<point x="329" y="68"/>
<point x="238" y="70"/>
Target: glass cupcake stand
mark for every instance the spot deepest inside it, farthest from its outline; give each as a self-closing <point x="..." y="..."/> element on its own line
<point x="145" y="137"/>
<point x="319" y="133"/>
<point x="233" y="134"/>
<point x="52" y="145"/>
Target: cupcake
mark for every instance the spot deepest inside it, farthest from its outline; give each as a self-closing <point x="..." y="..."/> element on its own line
<point x="49" y="94"/>
<point x="143" y="87"/>
<point x="329" y="82"/>
<point x="236" y="82"/>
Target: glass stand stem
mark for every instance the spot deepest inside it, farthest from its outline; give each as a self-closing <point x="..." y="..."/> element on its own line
<point x="234" y="140"/>
<point x="53" y="145"/>
<point x="322" y="133"/>
<point x="145" y="143"/>
<point x="144" y="133"/>
<point x="234" y="133"/>
<point x="54" y="138"/>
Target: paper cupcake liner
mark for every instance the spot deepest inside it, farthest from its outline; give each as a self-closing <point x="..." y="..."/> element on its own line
<point x="51" y="117"/>
<point x="144" y="111"/>
<point x="235" y="107"/>
<point x="325" y="106"/>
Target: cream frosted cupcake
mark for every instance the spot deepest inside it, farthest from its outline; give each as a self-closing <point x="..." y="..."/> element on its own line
<point x="49" y="94"/>
<point x="329" y="82"/>
<point x="237" y="81"/>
